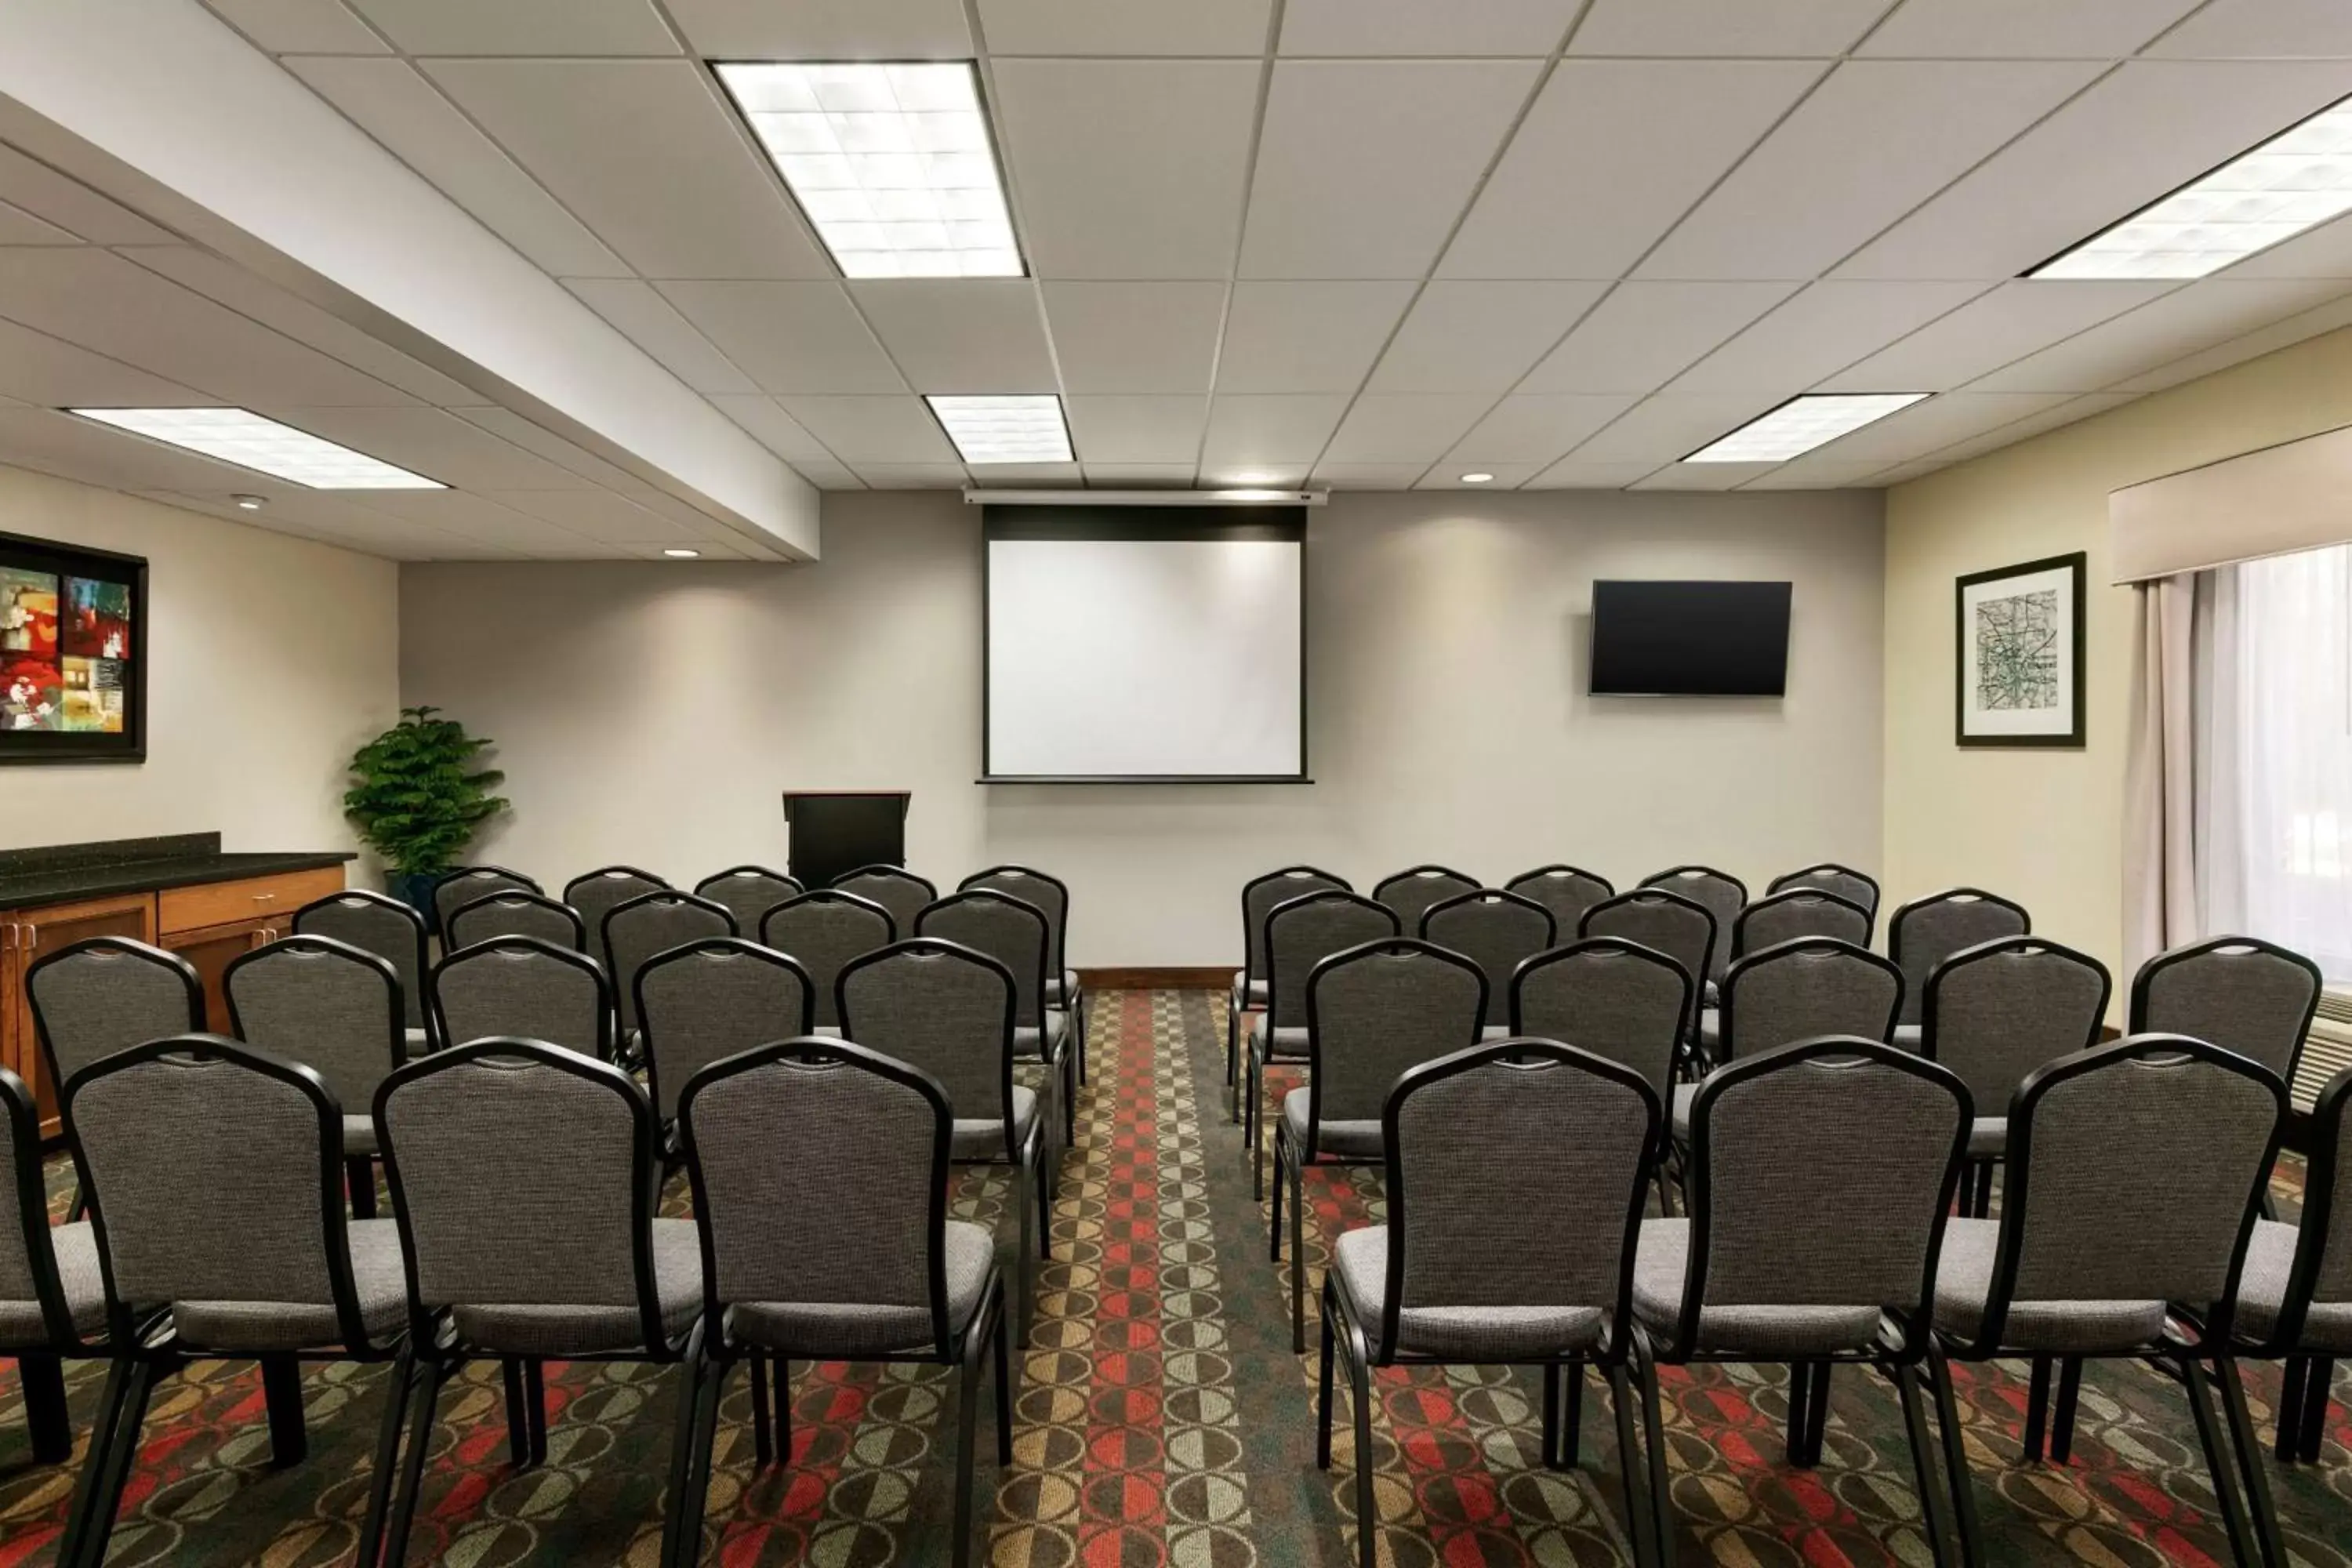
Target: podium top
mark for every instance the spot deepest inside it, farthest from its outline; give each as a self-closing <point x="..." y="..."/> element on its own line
<point x="792" y="796"/>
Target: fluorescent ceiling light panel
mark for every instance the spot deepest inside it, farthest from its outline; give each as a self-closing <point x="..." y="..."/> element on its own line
<point x="1801" y="424"/>
<point x="892" y="164"/>
<point x="1026" y="429"/>
<point x="241" y="437"/>
<point x="2298" y="178"/>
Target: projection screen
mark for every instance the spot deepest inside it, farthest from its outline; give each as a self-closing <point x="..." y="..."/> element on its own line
<point x="1145" y="645"/>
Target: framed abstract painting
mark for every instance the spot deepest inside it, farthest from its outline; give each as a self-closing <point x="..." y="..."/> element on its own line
<point x="73" y="654"/>
<point x="2020" y="662"/>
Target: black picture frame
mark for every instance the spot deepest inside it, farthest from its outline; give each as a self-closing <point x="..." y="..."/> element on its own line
<point x="2070" y="660"/>
<point x="52" y="557"/>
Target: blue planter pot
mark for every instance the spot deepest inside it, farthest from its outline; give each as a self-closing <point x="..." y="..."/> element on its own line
<point x="413" y="888"/>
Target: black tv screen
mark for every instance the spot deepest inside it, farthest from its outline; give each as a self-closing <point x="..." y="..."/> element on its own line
<point x="1690" y="639"/>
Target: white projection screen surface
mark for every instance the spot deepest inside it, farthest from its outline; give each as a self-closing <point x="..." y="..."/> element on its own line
<point x="1126" y="645"/>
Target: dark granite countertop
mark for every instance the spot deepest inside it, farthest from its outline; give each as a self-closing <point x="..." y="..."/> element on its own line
<point x="60" y="873"/>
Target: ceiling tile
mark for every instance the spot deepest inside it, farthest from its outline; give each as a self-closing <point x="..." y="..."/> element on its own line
<point x="1823" y="329"/>
<point x="1992" y="329"/>
<point x="1456" y="28"/>
<point x="961" y="335"/>
<point x="1135" y="337"/>
<point x="824" y="29"/>
<point x="2205" y="313"/>
<point x="2279" y="334"/>
<point x="2067" y="413"/>
<point x="392" y="102"/>
<point x="1873" y="141"/>
<point x="1364" y="166"/>
<point x="1643" y="335"/>
<point x="782" y="434"/>
<point x="1929" y="426"/>
<point x="914" y="476"/>
<point x="2323" y="252"/>
<point x="1139" y="475"/>
<point x="1612" y="153"/>
<point x="95" y="454"/>
<point x="1137" y="429"/>
<point x="2022" y="29"/>
<point x="432" y="442"/>
<point x="789" y="337"/>
<point x="1704" y="475"/>
<point x="1536" y="429"/>
<point x="39" y="369"/>
<point x="1724" y="27"/>
<point x="521" y="26"/>
<point x="860" y="431"/>
<point x="514" y="428"/>
<point x="1305" y="337"/>
<point x="1127" y="168"/>
<point x="1368" y="476"/>
<point x="18" y="227"/>
<point x="41" y="191"/>
<point x="654" y="325"/>
<point x="2228" y="29"/>
<point x="478" y="518"/>
<point x="1268" y="432"/>
<point x="827" y="476"/>
<point x="2120" y="145"/>
<point x="300" y="26"/>
<point x="593" y="514"/>
<point x="1811" y="473"/>
<point x="1006" y="474"/>
<point x="1403" y="427"/>
<point x="680" y="195"/>
<point x="1569" y="474"/>
<point x="1125" y="26"/>
<point x="1478" y="337"/>
<point x="1447" y="475"/>
<point x="1669" y="426"/>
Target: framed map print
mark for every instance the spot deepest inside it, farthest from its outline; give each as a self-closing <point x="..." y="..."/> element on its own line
<point x="73" y="654"/>
<point x="2021" y="655"/>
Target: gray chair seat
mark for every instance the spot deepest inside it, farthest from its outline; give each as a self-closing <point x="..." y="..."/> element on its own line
<point x="560" y="1331"/>
<point x="1289" y="1042"/>
<point x="982" y="1137"/>
<point x="1493" y="1032"/>
<point x="1255" y="996"/>
<point x="1685" y="1095"/>
<point x="1710" y="1028"/>
<point x="1908" y="1036"/>
<point x="1964" y="1276"/>
<point x="1346" y="1139"/>
<point x="845" y="1331"/>
<point x="1057" y="1033"/>
<point x="414" y="1043"/>
<point x="75" y="1245"/>
<point x="1488" y="1334"/>
<point x="2326" y="1328"/>
<point x="1060" y="988"/>
<point x="1771" y="1332"/>
<point x="256" y="1327"/>
<point x="358" y="1135"/>
<point x="1989" y="1138"/>
<point x="830" y="1031"/>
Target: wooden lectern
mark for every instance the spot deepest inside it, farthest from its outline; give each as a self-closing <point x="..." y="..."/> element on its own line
<point x="834" y="832"/>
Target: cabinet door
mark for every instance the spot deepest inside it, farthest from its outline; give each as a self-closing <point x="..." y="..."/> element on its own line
<point x="212" y="951"/>
<point x="34" y="933"/>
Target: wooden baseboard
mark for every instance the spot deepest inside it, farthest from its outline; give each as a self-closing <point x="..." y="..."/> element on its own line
<point x="1163" y="979"/>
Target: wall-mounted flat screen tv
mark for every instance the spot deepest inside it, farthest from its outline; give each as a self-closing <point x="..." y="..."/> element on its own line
<point x="73" y="654"/>
<point x="1690" y="639"/>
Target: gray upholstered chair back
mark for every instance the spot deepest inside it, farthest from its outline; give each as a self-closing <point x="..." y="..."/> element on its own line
<point x="1926" y="932"/>
<point x="1565" y="891"/>
<point x="1720" y="893"/>
<point x="596" y="894"/>
<point x="942" y="1008"/>
<point x="2241" y="993"/>
<point x="461" y="887"/>
<point x="711" y="999"/>
<point x="1517" y="1182"/>
<point x="25" y="1218"/>
<point x="1261" y="896"/>
<point x="1812" y="986"/>
<point x="1997" y="1010"/>
<point x="825" y="930"/>
<point x="512" y="911"/>
<point x="374" y="923"/>
<point x="521" y="988"/>
<point x="322" y="1003"/>
<point x="2327" y="1202"/>
<point x="1305" y="931"/>
<point x="106" y="994"/>
<point x="1820" y="1177"/>
<point x="1855" y="886"/>
<point x="1495" y="930"/>
<point x="1663" y="921"/>
<point x="1009" y="930"/>
<point x="1375" y="1010"/>
<point x="894" y="888"/>
<point x="1412" y="892"/>
<point x="748" y="893"/>
<point x="1796" y="912"/>
<point x="651" y="923"/>
<point x="1615" y="999"/>
<point x="1049" y="894"/>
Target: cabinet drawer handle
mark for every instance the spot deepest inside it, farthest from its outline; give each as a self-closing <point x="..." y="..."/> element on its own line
<point x="264" y="897"/>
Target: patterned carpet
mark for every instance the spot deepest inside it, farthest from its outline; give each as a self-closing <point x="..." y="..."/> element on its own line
<point x="1161" y="1420"/>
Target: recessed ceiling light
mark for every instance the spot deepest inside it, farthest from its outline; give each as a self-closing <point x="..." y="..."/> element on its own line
<point x="249" y="503"/>
<point x="1478" y="478"/>
<point x="1250" y="479"/>
<point x="683" y="554"/>
<point x="244" y="438"/>
<point x="2300" y="177"/>
<point x="892" y="164"/>
<point x="1022" y="429"/>
<point x="1801" y="424"/>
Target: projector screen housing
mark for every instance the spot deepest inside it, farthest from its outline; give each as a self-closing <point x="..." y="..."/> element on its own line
<point x="1160" y="645"/>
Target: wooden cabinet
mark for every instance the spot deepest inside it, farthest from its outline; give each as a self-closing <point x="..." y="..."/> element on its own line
<point x="27" y="936"/>
<point x="247" y="900"/>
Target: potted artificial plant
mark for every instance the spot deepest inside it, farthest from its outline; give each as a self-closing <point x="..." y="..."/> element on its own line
<point x="417" y="800"/>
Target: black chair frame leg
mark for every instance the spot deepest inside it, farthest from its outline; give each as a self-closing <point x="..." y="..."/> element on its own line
<point x="281" y="1387"/>
<point x="2217" y="1463"/>
<point x="46" y="1420"/>
<point x="1956" y="1457"/>
<point x="432" y="1373"/>
<point x="1924" y="1458"/>
<point x="2248" y="1451"/>
<point x="764" y="1451"/>
<point x="2062" y="1410"/>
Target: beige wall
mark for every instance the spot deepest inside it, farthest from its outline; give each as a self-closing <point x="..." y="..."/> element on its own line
<point x="652" y="713"/>
<point x="270" y="658"/>
<point x="2045" y="827"/>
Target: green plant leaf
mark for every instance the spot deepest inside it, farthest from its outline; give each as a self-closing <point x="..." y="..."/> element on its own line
<point x="415" y="799"/>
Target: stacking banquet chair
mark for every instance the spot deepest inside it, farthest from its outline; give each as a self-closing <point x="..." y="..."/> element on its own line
<point x="1668" y="923"/>
<point x="230" y="1245"/>
<point x="823" y="930"/>
<point x="749" y="892"/>
<point x="1721" y="894"/>
<point x="641" y="927"/>
<point x="1052" y="897"/>
<point x="518" y="986"/>
<point x="1614" y="999"/>
<point x="1797" y="991"/>
<point x="894" y="888"/>
<point x="103" y="994"/>
<point x="1260" y="898"/>
<point x="820" y="1173"/>
<point x="52" y="1296"/>
<point x="948" y="1012"/>
<point x="1994" y="1013"/>
<point x="523" y="1180"/>
<point x="1829" y="877"/>
<point x="1819" y="1179"/>
<point x="1495" y="930"/>
<point x="1566" y="891"/>
<point x="2296" y="1299"/>
<point x="1924" y="932"/>
<point x="387" y="928"/>
<point x="510" y="911"/>
<point x="1015" y="934"/>
<point x="456" y="889"/>
<point x="1299" y="935"/>
<point x="709" y="999"/>
<point x="2240" y="992"/>
<point x="1516" y="1173"/>
<point x="596" y="894"/>
<point x="1372" y="1013"/>
<point x="336" y="1011"/>
<point x="1412" y="892"/>
<point x="2134" y="1173"/>
<point x="1793" y="912"/>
